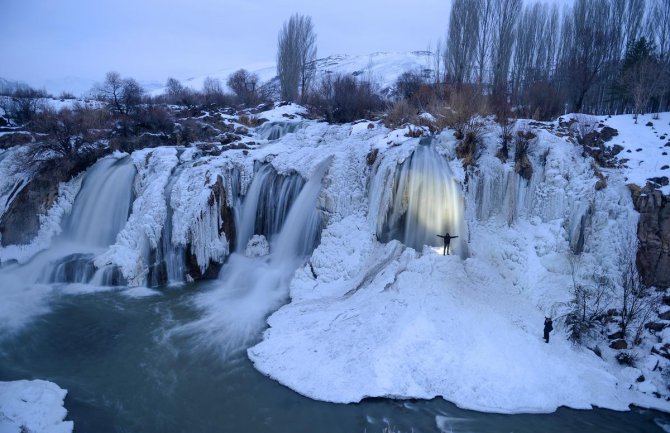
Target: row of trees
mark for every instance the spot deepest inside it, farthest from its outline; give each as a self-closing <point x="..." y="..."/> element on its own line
<point x="595" y="56"/>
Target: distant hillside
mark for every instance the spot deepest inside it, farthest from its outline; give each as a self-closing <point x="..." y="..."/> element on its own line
<point x="384" y="68"/>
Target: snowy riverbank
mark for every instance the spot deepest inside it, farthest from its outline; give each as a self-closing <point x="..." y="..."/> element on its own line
<point x="34" y="406"/>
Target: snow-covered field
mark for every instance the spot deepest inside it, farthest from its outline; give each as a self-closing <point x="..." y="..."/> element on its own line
<point x="373" y="319"/>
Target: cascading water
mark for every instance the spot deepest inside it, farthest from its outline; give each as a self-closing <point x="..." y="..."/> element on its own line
<point x="266" y="204"/>
<point x="102" y="206"/>
<point x="169" y="264"/>
<point x="99" y="212"/>
<point x="276" y="130"/>
<point x="249" y="288"/>
<point x="425" y="201"/>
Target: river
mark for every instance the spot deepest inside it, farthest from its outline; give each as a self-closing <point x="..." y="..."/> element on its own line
<point x="131" y="365"/>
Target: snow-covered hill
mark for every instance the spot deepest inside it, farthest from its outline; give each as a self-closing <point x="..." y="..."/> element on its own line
<point x="384" y="68"/>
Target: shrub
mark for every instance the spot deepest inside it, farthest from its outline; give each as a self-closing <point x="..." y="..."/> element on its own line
<point x="522" y="164"/>
<point x="400" y="113"/>
<point x="23" y="104"/>
<point x="244" y="84"/>
<point x="626" y="358"/>
<point x="156" y="118"/>
<point x="345" y="98"/>
<point x="408" y="84"/>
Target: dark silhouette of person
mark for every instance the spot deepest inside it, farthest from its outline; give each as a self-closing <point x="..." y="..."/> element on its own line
<point x="548" y="327"/>
<point x="447" y="239"/>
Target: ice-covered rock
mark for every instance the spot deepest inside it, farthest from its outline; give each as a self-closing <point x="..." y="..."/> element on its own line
<point x="34" y="406"/>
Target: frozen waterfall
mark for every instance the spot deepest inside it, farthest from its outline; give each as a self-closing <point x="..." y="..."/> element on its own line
<point x="415" y="200"/>
<point x="249" y="288"/>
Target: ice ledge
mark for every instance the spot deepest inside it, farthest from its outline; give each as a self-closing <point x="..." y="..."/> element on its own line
<point x="34" y="406"/>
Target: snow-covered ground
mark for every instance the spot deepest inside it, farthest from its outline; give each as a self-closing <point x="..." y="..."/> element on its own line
<point x="34" y="406"/>
<point x="646" y="148"/>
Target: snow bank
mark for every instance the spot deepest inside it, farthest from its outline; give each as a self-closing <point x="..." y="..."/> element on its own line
<point x="34" y="406"/>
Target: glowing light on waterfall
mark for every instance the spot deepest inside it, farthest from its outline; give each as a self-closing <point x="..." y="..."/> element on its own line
<point x="425" y="201"/>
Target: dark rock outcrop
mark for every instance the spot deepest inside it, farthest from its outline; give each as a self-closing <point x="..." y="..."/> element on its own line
<point x="21" y="221"/>
<point x="653" y="232"/>
<point x="619" y="344"/>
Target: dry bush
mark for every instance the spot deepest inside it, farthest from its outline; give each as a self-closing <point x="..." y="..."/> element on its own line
<point x="249" y="120"/>
<point x="469" y="146"/>
<point x="344" y="98"/>
<point x="522" y="164"/>
<point x="465" y="103"/>
<point x="156" y="118"/>
<point x="400" y="113"/>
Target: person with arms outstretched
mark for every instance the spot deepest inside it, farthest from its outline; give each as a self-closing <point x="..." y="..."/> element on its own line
<point x="447" y="240"/>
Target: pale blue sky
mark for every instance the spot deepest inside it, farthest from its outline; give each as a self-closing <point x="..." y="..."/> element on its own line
<point x="152" y="39"/>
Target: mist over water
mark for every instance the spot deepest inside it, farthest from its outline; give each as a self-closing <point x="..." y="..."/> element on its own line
<point x="250" y="288"/>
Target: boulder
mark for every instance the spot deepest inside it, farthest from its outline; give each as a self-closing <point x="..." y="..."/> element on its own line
<point x="653" y="232"/>
<point x="655" y="326"/>
<point x="619" y="344"/>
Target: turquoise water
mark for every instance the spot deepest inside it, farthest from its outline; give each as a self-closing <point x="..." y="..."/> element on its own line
<point x="128" y="368"/>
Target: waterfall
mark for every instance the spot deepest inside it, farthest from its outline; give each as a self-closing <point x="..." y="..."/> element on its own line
<point x="249" y="288"/>
<point x="276" y="130"/>
<point x="266" y="204"/>
<point x="424" y="200"/>
<point x="99" y="212"/>
<point x="102" y="206"/>
<point x="169" y="265"/>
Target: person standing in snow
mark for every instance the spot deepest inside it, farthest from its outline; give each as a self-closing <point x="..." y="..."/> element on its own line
<point x="548" y="327"/>
<point x="447" y="239"/>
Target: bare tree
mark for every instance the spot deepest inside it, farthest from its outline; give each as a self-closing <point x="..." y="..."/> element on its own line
<point x="535" y="45"/>
<point x="122" y="95"/>
<point x="461" y="42"/>
<point x="244" y="84"/>
<point x="586" y="47"/>
<point x="173" y="90"/>
<point x="437" y="66"/>
<point x="296" y="54"/>
<point x="213" y="91"/>
<point x="659" y="26"/>
<point x="507" y="16"/>
<point x="484" y="35"/>
<point x="131" y="95"/>
<point x="24" y="103"/>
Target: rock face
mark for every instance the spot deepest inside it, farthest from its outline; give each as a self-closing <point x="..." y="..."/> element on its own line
<point x="20" y="223"/>
<point x="653" y="232"/>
